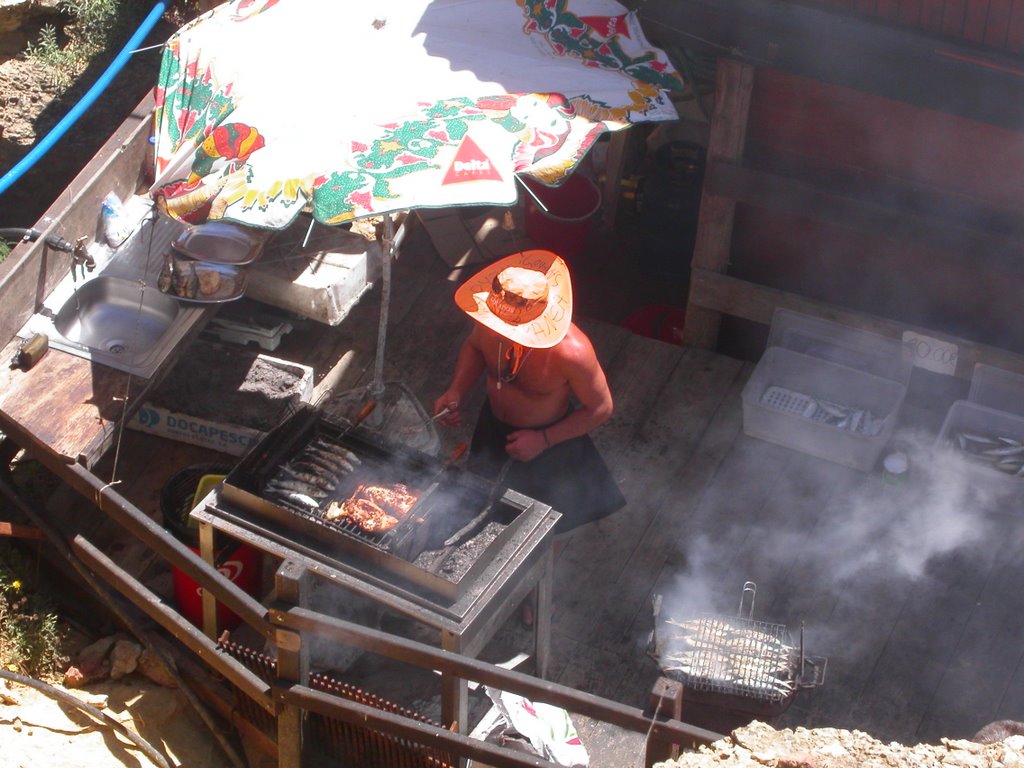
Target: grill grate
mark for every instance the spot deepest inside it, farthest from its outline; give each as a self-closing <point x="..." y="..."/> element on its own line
<point x="732" y="656"/>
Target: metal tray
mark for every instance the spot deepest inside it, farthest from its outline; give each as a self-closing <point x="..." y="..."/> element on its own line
<point x="186" y="280"/>
<point x="218" y="242"/>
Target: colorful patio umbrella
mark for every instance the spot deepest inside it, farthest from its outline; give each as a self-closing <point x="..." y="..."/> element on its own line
<point x="265" y="108"/>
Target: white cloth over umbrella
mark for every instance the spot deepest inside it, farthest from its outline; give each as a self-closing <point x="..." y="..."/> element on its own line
<point x="348" y="109"/>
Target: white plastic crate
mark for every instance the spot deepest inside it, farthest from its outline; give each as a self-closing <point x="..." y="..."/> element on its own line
<point x="997" y="388"/>
<point x="778" y="400"/>
<point x="977" y="419"/>
<point x="881" y="356"/>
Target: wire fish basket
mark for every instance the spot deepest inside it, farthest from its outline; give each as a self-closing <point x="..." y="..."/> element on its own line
<point x="397" y="416"/>
<point x="738" y="659"/>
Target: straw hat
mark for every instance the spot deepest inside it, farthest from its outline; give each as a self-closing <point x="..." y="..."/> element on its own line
<point x="525" y="297"/>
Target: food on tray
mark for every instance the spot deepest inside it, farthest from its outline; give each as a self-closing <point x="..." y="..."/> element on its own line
<point x="209" y="282"/>
<point x="374" y="508"/>
<point x="196" y="280"/>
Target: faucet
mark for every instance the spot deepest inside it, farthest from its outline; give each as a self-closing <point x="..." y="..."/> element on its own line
<point x="80" y="257"/>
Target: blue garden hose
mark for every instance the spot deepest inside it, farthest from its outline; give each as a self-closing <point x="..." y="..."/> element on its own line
<point x="85" y="102"/>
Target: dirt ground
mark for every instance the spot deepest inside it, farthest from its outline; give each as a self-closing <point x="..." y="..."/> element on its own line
<point x="37" y="729"/>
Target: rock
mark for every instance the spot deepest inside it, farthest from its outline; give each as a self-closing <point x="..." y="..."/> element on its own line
<point x="9" y="699"/>
<point x="759" y="744"/>
<point x="154" y="669"/>
<point x="96" y="652"/>
<point x="83" y="674"/>
<point x="124" y="658"/>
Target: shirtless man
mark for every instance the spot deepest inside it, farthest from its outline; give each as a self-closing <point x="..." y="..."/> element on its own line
<point x="546" y="390"/>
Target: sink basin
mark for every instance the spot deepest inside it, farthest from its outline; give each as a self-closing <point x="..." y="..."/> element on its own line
<point x="116" y="316"/>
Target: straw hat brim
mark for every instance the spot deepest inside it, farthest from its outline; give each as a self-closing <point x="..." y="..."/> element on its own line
<point x="541" y="333"/>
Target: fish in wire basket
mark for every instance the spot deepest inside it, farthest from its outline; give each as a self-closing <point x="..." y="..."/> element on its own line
<point x="718" y="652"/>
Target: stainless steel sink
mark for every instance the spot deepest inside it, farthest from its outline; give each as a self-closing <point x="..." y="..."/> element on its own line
<point x="116" y="317"/>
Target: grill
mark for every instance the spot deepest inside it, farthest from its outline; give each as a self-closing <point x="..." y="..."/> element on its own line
<point x="263" y="493"/>
<point x="737" y="663"/>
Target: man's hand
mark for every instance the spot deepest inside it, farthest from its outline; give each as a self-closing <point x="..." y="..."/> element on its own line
<point x="448" y="404"/>
<point x="525" y="444"/>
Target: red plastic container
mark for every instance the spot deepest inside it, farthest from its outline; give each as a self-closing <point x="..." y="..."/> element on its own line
<point x="240" y="564"/>
<point x="565" y="226"/>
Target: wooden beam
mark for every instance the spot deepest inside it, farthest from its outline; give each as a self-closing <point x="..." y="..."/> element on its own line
<point x="750" y="301"/>
<point x="726" y="139"/>
<point x="809" y="200"/>
<point x="20" y="531"/>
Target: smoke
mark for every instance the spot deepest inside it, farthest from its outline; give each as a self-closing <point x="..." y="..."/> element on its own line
<point x="867" y="533"/>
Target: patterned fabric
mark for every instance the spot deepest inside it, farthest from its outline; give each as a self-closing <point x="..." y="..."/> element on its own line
<point x="268" y="107"/>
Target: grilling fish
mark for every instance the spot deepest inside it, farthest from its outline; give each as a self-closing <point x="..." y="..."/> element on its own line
<point x="310" y="478"/>
<point x="298" y="499"/>
<point x="335" y="462"/>
<point x="339" y="451"/>
<point x="297" y="486"/>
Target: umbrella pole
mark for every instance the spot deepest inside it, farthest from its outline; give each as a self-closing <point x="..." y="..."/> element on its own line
<point x="387" y="254"/>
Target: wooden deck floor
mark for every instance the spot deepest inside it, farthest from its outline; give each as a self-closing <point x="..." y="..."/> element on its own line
<point x="911" y="591"/>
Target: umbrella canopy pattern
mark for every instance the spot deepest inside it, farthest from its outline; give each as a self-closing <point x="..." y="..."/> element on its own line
<point x="265" y="108"/>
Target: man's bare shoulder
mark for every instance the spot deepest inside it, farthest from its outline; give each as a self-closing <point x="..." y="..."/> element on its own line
<point x="576" y="348"/>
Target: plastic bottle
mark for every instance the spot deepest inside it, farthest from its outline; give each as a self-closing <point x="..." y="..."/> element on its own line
<point x="115" y="224"/>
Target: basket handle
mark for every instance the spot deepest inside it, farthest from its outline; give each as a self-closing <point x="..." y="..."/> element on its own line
<point x="748" y="593"/>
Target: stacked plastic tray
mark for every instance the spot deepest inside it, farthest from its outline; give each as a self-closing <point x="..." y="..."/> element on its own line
<point x="827" y="389"/>
<point x="993" y="410"/>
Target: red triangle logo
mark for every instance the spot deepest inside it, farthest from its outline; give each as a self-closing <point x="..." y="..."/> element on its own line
<point x="608" y="26"/>
<point x="470" y="164"/>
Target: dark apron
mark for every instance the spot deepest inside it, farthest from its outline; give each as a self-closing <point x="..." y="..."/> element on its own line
<point x="571" y="476"/>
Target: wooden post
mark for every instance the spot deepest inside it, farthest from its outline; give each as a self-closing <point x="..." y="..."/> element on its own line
<point x="726" y="139"/>
<point x="666" y="702"/>
<point x="209" y="602"/>
<point x="292" y="582"/>
<point x="614" y="164"/>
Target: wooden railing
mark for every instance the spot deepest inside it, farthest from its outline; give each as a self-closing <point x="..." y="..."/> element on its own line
<point x="289" y="628"/>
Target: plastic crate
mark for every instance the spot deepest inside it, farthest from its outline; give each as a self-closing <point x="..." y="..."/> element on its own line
<point x="777" y="402"/>
<point x="997" y="388"/>
<point x="967" y="416"/>
<point x="865" y="351"/>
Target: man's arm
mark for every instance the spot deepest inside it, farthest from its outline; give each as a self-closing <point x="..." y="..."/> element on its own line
<point x="468" y="368"/>
<point x="589" y="386"/>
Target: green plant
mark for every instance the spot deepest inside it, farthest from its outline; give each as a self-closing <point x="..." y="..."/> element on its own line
<point x="5" y="248"/>
<point x="31" y="636"/>
<point x="96" y="27"/>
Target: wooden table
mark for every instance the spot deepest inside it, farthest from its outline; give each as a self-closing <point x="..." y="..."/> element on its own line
<point x="522" y="568"/>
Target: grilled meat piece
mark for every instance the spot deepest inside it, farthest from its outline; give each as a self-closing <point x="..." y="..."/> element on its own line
<point x="374" y="508"/>
<point x="364" y="513"/>
<point x="396" y="499"/>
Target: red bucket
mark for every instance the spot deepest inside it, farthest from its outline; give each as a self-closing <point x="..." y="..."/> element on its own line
<point x="564" y="227"/>
<point x="240" y="563"/>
